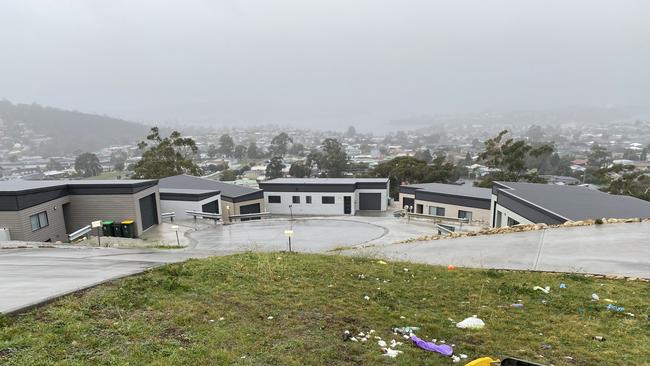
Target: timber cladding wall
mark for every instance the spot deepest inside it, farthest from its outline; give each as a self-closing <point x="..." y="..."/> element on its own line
<point x="20" y="228"/>
<point x="235" y="207"/>
<point x="116" y="207"/>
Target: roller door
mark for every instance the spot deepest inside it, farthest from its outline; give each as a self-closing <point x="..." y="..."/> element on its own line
<point x="370" y="201"/>
<point x="148" y="211"/>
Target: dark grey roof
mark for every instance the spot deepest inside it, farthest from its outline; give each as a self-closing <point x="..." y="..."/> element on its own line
<point x="184" y="181"/>
<point x="38" y="185"/>
<point x="462" y="190"/>
<point x="575" y="202"/>
<point x="325" y="180"/>
<point x="189" y="191"/>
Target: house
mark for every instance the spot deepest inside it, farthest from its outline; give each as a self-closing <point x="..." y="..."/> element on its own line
<point x="185" y="192"/>
<point x="49" y="210"/>
<point x="325" y="196"/>
<point x="532" y="203"/>
<point x="456" y="201"/>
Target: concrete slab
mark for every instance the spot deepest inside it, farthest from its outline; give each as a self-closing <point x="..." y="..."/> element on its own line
<point x="615" y="249"/>
<point x="33" y="276"/>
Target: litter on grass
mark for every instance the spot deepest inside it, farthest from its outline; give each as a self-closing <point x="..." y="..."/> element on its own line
<point x="443" y="349"/>
<point x="406" y="330"/>
<point x="545" y="290"/>
<point x="471" y="323"/>
<point x="483" y="361"/>
<point x="595" y="297"/>
<point x="517" y="305"/>
<point x="562" y="285"/>
<point x="381" y="262"/>
<point x="614" y="308"/>
<point x="390" y="352"/>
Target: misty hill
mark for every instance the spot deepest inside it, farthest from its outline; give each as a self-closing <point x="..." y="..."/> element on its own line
<point x="68" y="131"/>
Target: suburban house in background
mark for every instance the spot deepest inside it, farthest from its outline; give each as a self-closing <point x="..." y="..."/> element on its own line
<point x="454" y="201"/>
<point x="49" y="210"/>
<point x="186" y="192"/>
<point x="325" y="196"/>
<point x="532" y="203"/>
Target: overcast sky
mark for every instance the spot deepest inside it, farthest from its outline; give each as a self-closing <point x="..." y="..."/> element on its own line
<point x="322" y="63"/>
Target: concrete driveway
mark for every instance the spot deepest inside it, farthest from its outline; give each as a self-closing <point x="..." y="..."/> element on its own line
<point x="31" y="276"/>
<point x="616" y="249"/>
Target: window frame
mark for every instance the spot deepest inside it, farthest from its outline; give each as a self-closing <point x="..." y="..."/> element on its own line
<point x="271" y="199"/>
<point x="328" y="197"/>
<point x="465" y="215"/>
<point x="308" y="200"/>
<point x="295" y="200"/>
<point x="42" y="220"/>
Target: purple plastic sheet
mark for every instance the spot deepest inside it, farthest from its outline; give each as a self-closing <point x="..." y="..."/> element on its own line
<point x="443" y="349"/>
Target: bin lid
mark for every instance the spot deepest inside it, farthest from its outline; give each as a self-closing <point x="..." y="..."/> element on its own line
<point x="108" y="222"/>
<point x="126" y="222"/>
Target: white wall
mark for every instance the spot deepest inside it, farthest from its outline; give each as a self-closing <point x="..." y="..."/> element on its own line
<point x="505" y="214"/>
<point x="179" y="207"/>
<point x="316" y="207"/>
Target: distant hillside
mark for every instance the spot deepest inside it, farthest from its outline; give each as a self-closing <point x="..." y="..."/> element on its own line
<point x="69" y="130"/>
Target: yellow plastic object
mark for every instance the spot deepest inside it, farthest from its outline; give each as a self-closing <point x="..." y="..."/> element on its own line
<point x="126" y="222"/>
<point x="483" y="361"/>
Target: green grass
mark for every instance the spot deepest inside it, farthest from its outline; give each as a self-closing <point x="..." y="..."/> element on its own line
<point x="163" y="317"/>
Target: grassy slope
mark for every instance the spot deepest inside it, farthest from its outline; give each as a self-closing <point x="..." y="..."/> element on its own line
<point x="163" y="316"/>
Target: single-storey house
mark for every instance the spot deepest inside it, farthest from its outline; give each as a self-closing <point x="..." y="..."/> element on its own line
<point x="325" y="196"/>
<point x="184" y="192"/>
<point x="50" y="210"/>
<point x="531" y="203"/>
<point x="457" y="201"/>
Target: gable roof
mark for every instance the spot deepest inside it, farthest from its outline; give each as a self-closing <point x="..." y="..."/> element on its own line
<point x="575" y="202"/>
<point x="189" y="182"/>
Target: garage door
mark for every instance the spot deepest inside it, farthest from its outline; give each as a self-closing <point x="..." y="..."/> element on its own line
<point x="148" y="211"/>
<point x="370" y="201"/>
<point x="249" y="209"/>
<point x="410" y="202"/>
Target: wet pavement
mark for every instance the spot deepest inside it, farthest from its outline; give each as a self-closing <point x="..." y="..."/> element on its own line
<point x="29" y="276"/>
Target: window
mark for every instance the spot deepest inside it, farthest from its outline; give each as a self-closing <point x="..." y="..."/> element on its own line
<point x="275" y="199"/>
<point x="308" y="199"/>
<point x="39" y="221"/>
<point x="295" y="199"/>
<point x="436" y="211"/>
<point x="512" y="222"/>
<point x="328" y="200"/>
<point x="465" y="215"/>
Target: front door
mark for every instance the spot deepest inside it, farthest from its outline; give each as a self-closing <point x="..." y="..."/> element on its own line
<point x="347" y="205"/>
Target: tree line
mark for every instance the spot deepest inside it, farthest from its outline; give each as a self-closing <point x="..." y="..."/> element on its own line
<point x="506" y="159"/>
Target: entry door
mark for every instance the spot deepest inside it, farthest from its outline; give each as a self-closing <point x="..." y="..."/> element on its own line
<point x="347" y="205"/>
